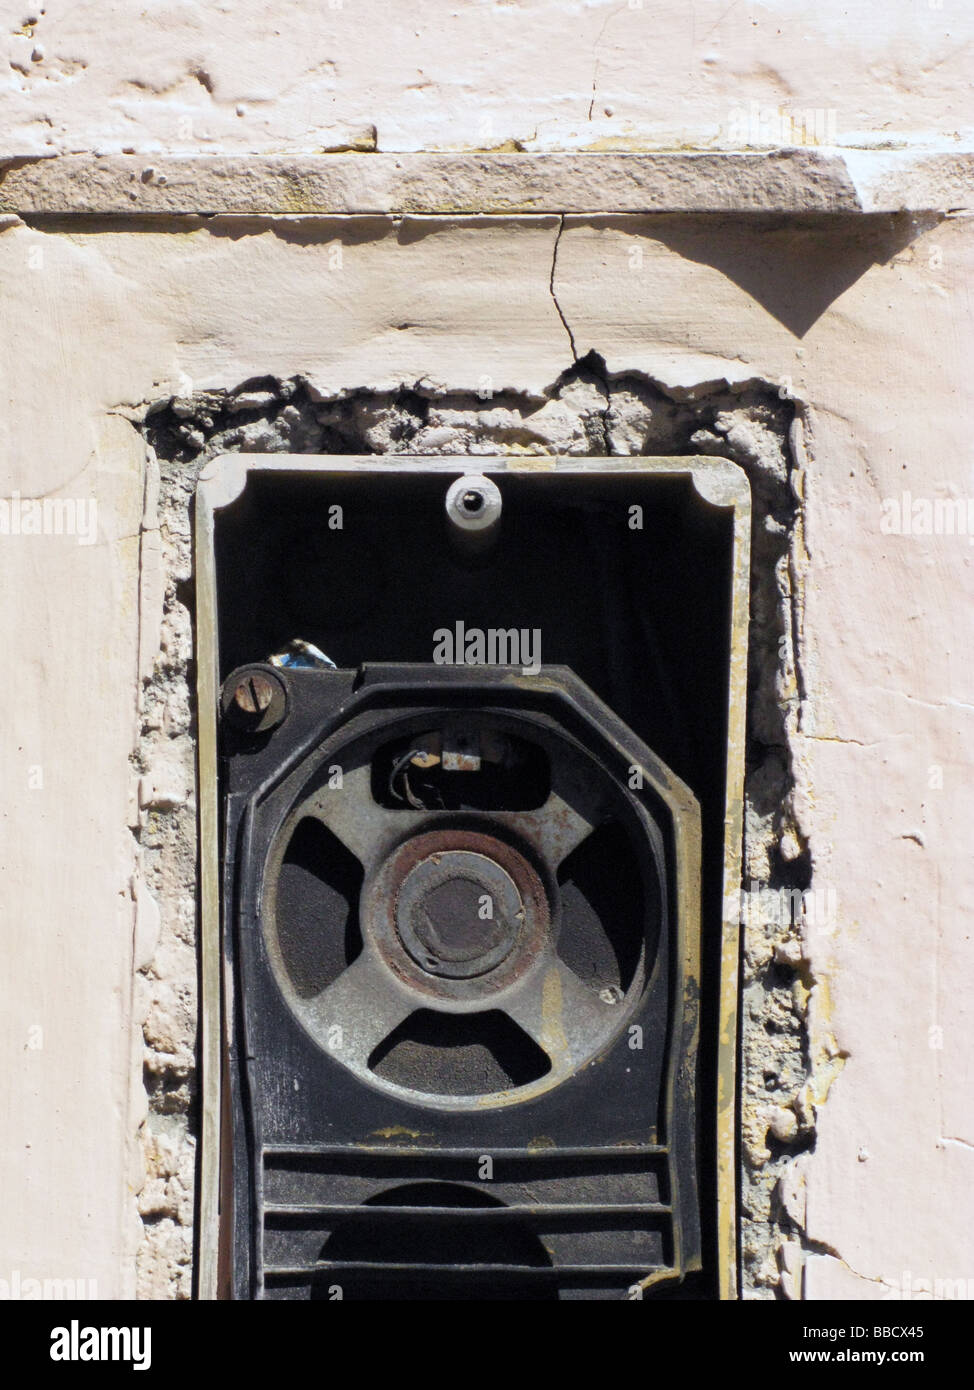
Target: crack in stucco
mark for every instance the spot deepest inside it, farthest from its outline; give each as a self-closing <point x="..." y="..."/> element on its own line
<point x="551" y="288"/>
<point x="595" y="54"/>
<point x="824" y="1249"/>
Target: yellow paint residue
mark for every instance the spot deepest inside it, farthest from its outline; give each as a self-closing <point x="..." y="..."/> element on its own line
<point x="553" y="1038"/>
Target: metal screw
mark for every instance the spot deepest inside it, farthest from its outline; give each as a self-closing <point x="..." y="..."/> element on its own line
<point x="254" y="700"/>
<point x="612" y="994"/>
<point x="253" y="694"/>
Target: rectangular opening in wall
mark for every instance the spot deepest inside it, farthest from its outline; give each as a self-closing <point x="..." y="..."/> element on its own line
<point x="471" y="759"/>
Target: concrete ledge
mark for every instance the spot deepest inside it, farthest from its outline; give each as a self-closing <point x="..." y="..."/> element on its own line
<point x="781" y="181"/>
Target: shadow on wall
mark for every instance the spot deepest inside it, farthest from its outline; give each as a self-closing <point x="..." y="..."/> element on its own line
<point x="795" y="269"/>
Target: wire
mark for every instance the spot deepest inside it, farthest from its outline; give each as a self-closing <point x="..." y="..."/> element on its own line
<point x="399" y="769"/>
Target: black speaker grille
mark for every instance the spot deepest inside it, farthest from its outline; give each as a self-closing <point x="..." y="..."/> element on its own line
<point x="422" y="1223"/>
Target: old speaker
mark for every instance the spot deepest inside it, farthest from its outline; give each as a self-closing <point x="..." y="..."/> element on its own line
<point x="467" y="991"/>
<point x="466" y="939"/>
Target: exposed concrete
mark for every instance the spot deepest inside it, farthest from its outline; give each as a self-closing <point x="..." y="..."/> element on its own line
<point x="165" y="830"/>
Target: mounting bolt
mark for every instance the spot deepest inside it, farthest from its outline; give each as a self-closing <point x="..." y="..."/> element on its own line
<point x="473" y="513"/>
<point x="254" y="700"/>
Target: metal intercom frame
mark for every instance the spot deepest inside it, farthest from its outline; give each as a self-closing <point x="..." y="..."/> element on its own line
<point x="718" y="482"/>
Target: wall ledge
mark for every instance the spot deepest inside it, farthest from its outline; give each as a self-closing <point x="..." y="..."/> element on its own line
<point x="794" y="181"/>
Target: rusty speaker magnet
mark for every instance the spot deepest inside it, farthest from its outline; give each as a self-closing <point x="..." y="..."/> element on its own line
<point x="457" y="913"/>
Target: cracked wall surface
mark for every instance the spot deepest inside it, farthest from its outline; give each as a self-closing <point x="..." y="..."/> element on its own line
<point x="859" y="763"/>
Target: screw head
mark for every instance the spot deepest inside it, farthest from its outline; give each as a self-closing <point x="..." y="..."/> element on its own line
<point x="253" y="694"/>
<point x="254" y="700"/>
